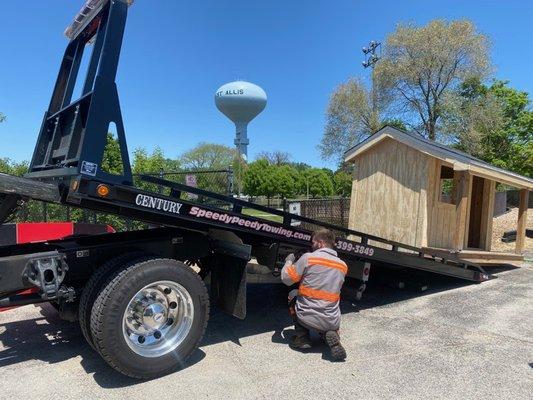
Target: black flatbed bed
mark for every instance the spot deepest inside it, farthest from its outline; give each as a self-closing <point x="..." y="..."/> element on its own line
<point x="171" y="210"/>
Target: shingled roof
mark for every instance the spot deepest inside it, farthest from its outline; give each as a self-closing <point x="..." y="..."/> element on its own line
<point x="460" y="161"/>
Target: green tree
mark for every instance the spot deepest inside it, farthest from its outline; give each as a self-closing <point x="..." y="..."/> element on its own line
<point x="239" y="168"/>
<point x="342" y="183"/>
<point x="263" y="179"/>
<point x="395" y="123"/>
<point x="512" y="148"/>
<point x="286" y="181"/>
<point x="494" y="123"/>
<point x="318" y="183"/>
<point x="300" y="166"/>
<point x="143" y="162"/>
<point x="256" y="177"/>
<point x="471" y="115"/>
<point x="8" y="166"/>
<point x="275" y="157"/>
<point x="208" y="156"/>
<point x="421" y="66"/>
<point x="154" y="163"/>
<point x="354" y="114"/>
<point x="349" y="119"/>
<point x="112" y="160"/>
<point x="211" y="156"/>
<point x="32" y="211"/>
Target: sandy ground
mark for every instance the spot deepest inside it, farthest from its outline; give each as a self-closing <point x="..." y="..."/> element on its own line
<point x="454" y="341"/>
<point x="507" y="222"/>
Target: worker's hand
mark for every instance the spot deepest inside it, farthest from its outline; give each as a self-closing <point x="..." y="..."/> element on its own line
<point x="290" y="259"/>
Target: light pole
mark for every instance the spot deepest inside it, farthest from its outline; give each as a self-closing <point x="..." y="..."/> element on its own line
<point x="371" y="59"/>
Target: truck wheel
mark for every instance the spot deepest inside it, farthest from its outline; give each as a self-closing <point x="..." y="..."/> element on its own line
<point x="92" y="289"/>
<point x="149" y="317"/>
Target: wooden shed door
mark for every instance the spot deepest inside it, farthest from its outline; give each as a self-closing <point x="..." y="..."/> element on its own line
<point x="476" y="211"/>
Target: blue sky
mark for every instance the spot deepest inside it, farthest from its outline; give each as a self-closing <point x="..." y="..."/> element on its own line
<point x="177" y="53"/>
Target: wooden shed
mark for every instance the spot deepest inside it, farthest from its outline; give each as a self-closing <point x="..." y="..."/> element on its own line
<point x="421" y="193"/>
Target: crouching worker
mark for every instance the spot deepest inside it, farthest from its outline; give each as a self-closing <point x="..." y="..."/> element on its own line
<point x="315" y="304"/>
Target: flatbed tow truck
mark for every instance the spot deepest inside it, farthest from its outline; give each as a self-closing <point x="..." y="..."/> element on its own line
<point x="138" y="301"/>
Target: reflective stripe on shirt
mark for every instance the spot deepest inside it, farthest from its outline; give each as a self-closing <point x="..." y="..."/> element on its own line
<point x="318" y="294"/>
<point x="324" y="262"/>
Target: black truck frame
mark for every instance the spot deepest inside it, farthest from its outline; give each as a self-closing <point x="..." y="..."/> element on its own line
<point x="94" y="279"/>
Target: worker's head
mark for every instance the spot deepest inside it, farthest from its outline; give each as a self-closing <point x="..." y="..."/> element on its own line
<point x="323" y="238"/>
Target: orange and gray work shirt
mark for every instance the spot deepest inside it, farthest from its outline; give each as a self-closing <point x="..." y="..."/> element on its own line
<point x="320" y="276"/>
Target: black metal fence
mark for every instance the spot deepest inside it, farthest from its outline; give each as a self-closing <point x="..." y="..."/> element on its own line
<point x="513" y="199"/>
<point x="334" y="211"/>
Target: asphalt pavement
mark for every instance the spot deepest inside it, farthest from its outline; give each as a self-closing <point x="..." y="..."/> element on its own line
<point x="453" y="341"/>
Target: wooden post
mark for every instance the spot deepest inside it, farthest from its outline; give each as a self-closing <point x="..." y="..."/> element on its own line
<point x="461" y="202"/>
<point x="487" y="217"/>
<point x="469" y="191"/>
<point x="522" y="217"/>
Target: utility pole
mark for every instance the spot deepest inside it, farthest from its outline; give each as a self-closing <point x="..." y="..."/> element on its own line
<point x="371" y="59"/>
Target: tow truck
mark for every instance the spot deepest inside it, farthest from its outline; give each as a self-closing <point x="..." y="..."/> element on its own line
<point x="137" y="299"/>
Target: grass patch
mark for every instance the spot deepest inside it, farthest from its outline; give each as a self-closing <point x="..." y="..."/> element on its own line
<point x="261" y="214"/>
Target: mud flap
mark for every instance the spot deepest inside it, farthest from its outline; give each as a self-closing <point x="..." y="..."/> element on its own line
<point x="228" y="272"/>
<point x="228" y="285"/>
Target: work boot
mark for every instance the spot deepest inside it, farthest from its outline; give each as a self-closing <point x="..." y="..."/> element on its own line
<point x="334" y="342"/>
<point x="300" y="342"/>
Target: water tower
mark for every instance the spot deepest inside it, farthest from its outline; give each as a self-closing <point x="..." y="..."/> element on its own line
<point x="241" y="102"/>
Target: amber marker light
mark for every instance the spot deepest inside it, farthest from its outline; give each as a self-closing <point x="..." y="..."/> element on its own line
<point x="102" y="190"/>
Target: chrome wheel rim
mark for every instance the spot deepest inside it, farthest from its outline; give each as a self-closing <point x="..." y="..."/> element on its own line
<point x="158" y="319"/>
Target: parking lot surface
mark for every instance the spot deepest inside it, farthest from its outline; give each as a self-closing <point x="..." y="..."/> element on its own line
<point x="454" y="341"/>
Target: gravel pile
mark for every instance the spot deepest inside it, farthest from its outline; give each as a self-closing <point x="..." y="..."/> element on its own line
<point x="508" y="222"/>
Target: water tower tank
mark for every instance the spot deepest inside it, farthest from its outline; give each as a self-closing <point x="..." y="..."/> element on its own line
<point x="241" y="102"/>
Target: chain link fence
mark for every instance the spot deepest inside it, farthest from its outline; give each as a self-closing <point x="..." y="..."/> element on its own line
<point x="335" y="211"/>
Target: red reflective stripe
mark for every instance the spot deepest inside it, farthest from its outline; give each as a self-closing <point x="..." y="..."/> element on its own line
<point x="318" y="294"/>
<point x="324" y="262"/>
<point x="291" y="271"/>
<point x="40" y="232"/>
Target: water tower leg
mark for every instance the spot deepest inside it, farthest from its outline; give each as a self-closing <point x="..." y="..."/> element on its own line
<point x="241" y="139"/>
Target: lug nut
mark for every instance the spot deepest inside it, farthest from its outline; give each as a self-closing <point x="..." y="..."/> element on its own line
<point x="173" y="305"/>
<point x="167" y="291"/>
<point x="157" y="335"/>
<point x="170" y="321"/>
<point x="141" y="339"/>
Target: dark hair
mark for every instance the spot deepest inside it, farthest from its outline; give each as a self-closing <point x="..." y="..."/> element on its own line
<point x="326" y="236"/>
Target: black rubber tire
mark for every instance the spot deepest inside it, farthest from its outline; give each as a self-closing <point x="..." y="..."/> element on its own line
<point x="110" y="305"/>
<point x="92" y="289"/>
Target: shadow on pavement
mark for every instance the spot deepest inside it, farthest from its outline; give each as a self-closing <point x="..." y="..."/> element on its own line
<point x="267" y="307"/>
<point x="52" y="340"/>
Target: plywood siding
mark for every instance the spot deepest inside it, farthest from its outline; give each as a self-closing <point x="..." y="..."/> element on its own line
<point x="441" y="216"/>
<point x="353" y="197"/>
<point x="389" y="193"/>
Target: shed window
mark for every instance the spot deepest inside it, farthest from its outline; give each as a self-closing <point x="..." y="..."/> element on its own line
<point x="447" y="185"/>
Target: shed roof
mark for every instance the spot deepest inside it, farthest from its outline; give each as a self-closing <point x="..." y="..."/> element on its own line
<point x="460" y="161"/>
